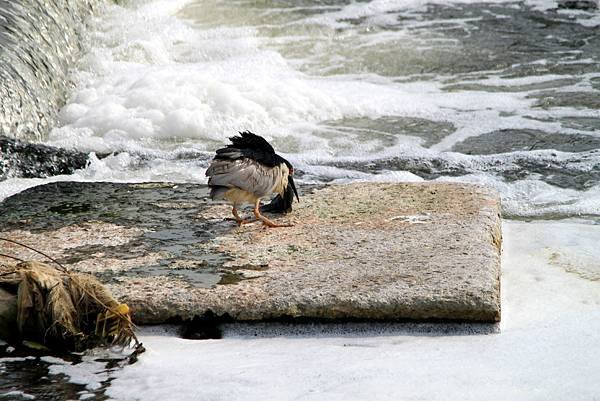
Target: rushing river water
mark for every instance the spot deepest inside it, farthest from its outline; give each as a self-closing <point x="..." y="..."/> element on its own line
<point x="39" y="40"/>
<point x="505" y="94"/>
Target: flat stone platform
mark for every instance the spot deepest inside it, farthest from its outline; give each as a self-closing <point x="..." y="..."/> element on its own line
<point x="417" y="251"/>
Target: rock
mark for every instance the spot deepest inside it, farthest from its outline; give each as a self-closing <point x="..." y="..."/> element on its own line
<point x="579" y="171"/>
<point x="22" y="159"/>
<point x="8" y="316"/>
<point x="513" y="140"/>
<point x="578" y="4"/>
<point x="361" y="251"/>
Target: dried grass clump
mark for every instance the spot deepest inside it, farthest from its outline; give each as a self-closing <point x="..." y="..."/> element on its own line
<point x="66" y="311"/>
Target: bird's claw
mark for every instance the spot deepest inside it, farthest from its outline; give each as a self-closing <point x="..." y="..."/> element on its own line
<point x="275" y="225"/>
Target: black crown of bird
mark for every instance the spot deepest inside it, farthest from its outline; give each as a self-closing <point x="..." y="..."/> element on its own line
<point x="248" y="170"/>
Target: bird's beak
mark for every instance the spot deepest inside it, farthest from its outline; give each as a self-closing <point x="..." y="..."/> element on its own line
<point x="291" y="181"/>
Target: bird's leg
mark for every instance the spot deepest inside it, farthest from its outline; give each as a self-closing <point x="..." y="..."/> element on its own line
<point x="238" y="219"/>
<point x="266" y="221"/>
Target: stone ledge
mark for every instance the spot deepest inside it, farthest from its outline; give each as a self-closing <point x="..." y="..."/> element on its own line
<point x="362" y="251"/>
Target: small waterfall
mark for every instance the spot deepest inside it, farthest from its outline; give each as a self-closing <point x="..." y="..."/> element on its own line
<point x="39" y="40"/>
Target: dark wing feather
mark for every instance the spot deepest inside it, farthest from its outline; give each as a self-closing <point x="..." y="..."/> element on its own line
<point x="248" y="140"/>
<point x="250" y="146"/>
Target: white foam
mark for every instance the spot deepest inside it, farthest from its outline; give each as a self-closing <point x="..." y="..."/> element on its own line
<point x="151" y="79"/>
<point x="588" y="19"/>
<point x="534" y="198"/>
<point x="88" y="373"/>
<point x="547" y="333"/>
<point x="16" y="358"/>
<point x="122" y="167"/>
<point x="386" y="10"/>
<point x="155" y="87"/>
<point x="381" y="11"/>
<point x="387" y="176"/>
<point x="17" y="395"/>
<point x="528" y="80"/>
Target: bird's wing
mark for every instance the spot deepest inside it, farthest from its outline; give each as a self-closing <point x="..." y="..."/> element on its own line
<point x="244" y="173"/>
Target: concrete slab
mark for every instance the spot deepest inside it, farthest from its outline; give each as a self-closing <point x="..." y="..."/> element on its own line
<point x="362" y="251"/>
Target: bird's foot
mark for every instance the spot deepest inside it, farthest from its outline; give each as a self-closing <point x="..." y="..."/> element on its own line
<point x="269" y="223"/>
<point x="266" y="221"/>
<point x="277" y="225"/>
<point x="239" y="221"/>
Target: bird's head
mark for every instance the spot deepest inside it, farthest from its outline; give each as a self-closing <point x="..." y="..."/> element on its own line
<point x="289" y="196"/>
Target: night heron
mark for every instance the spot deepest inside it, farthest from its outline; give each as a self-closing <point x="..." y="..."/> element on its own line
<point x="248" y="170"/>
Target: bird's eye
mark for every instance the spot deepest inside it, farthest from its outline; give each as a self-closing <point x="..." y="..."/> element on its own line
<point x="291" y="171"/>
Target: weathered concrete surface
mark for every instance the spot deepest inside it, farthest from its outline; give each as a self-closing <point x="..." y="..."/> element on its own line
<point x="361" y="251"/>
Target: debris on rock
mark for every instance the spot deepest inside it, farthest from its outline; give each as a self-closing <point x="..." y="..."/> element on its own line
<point x="52" y="309"/>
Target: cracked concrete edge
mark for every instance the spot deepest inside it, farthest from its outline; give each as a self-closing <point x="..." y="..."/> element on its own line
<point x="482" y="306"/>
<point x="175" y="298"/>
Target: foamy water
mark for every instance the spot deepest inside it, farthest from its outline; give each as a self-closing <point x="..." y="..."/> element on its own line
<point x="341" y="84"/>
<point x="546" y="349"/>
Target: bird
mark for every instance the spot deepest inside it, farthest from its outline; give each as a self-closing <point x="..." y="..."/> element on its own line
<point x="247" y="170"/>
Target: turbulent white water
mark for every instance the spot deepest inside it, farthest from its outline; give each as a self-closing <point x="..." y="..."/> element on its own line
<point x="494" y="92"/>
<point x="497" y="92"/>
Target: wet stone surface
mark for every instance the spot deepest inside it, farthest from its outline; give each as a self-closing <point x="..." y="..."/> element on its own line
<point x="27" y="374"/>
<point x="144" y="229"/>
<point x="579" y="171"/>
<point x="361" y="251"/>
<point x="22" y="159"/>
<point x="510" y="140"/>
<point x="388" y="128"/>
<point x="28" y="378"/>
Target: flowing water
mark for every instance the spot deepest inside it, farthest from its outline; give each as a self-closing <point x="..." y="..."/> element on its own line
<point x="39" y="40"/>
<point x="501" y="93"/>
<point x="504" y="94"/>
